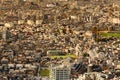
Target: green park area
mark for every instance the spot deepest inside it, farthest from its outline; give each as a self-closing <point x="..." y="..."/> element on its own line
<point x="44" y="72"/>
<point x="110" y="34"/>
<point x="63" y="56"/>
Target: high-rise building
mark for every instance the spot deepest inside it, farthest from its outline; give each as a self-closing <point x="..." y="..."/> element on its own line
<point x="5" y="35"/>
<point x="60" y="73"/>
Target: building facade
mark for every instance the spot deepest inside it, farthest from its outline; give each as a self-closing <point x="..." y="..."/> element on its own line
<point x="5" y="35"/>
<point x="60" y="74"/>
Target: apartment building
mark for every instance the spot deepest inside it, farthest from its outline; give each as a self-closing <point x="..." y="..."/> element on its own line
<point x="60" y="73"/>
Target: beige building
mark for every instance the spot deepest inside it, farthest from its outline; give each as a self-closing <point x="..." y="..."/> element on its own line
<point x="62" y="73"/>
<point x="35" y="1"/>
<point x="15" y="2"/>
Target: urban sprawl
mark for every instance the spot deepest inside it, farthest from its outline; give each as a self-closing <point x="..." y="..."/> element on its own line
<point x="59" y="39"/>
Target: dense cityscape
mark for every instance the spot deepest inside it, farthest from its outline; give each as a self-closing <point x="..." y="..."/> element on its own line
<point x="59" y="39"/>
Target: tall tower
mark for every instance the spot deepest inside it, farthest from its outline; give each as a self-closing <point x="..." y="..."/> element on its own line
<point x="5" y="35"/>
